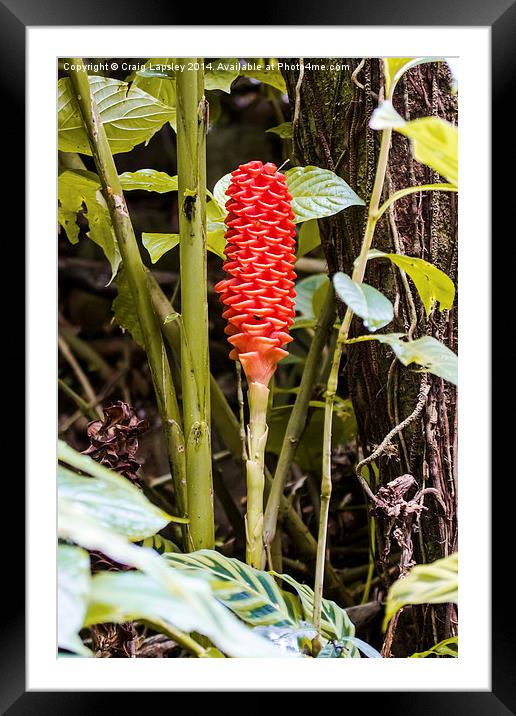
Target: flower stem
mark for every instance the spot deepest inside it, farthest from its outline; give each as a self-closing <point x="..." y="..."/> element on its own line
<point x="258" y="396"/>
<point x="331" y="390"/>
<point x="195" y="374"/>
<point x="156" y="355"/>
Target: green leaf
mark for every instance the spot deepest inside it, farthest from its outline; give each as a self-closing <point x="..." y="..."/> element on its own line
<point x="160" y="544"/>
<point x="148" y="180"/>
<point x="309" y="237"/>
<point x="129" y="115"/>
<point x="109" y="497"/>
<point x="447" y="647"/>
<point x="334" y="649"/>
<point x="221" y="73"/>
<point x="306" y="289"/>
<point x="427" y="352"/>
<point x="283" y="130"/>
<point x="73" y="588"/>
<point x="251" y="595"/>
<point x="335" y="623"/>
<point x="76" y="188"/>
<point x="317" y="193"/>
<point x="432" y="284"/>
<point x="160" y="85"/>
<point x="215" y="239"/>
<point x="365" y="301"/>
<point x="435" y="141"/>
<point x="159" y="244"/>
<point x="124" y="310"/>
<point x="268" y="72"/>
<point x="436" y="144"/>
<point x="434" y="583"/>
<point x="395" y="67"/>
<point x="129" y="596"/>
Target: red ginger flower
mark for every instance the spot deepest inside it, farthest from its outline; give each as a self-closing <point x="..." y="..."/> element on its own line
<point x="259" y="291"/>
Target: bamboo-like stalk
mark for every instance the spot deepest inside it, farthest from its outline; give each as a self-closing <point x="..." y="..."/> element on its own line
<point x="156" y="355"/>
<point x="192" y="111"/>
<point x="331" y="390"/>
<point x="297" y="420"/>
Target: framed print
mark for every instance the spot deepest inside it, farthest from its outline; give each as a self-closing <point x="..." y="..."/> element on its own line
<point x="271" y="273"/>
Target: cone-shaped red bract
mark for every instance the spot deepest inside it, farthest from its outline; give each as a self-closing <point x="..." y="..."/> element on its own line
<point x="259" y="290"/>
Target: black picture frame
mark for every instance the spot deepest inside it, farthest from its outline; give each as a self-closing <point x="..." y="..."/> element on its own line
<point x="15" y="16"/>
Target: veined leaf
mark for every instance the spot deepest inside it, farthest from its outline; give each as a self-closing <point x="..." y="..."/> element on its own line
<point x="129" y="115"/>
<point x="219" y="192"/>
<point x="76" y="188"/>
<point x="335" y="623"/>
<point x="252" y="595"/>
<point x="427" y="352"/>
<point x="334" y="649"/>
<point x="365" y="301"/>
<point x="73" y="588"/>
<point x="317" y="193"/>
<point x="108" y="496"/>
<point x="148" y="180"/>
<point x="432" y="284"/>
<point x="160" y="85"/>
<point x="435" y="141"/>
<point x="182" y="600"/>
<point x="127" y="596"/>
<point x="447" y="647"/>
<point x="306" y="289"/>
<point x="434" y="583"/>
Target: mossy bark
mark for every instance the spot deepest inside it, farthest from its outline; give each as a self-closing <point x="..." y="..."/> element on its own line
<point x="332" y="131"/>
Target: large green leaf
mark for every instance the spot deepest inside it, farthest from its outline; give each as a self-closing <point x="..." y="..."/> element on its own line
<point x="432" y="284"/>
<point x="148" y="180"/>
<point x="129" y="115"/>
<point x="128" y="596"/>
<point x="306" y="289"/>
<point x="78" y="188"/>
<point x="435" y="141"/>
<point x="317" y="193"/>
<point x="427" y="352"/>
<point x="219" y="192"/>
<point x="184" y="601"/>
<point x="365" y="301"/>
<point x="252" y="595"/>
<point x="73" y="588"/>
<point x="123" y="308"/>
<point x="434" y="583"/>
<point x="335" y="623"/>
<point x="108" y="496"/>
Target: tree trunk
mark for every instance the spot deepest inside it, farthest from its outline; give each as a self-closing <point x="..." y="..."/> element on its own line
<point x="331" y="131"/>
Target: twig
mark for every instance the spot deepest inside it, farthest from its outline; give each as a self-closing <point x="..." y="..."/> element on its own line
<point x="79" y="373"/>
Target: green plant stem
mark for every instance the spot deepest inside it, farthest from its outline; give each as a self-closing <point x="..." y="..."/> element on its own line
<point x="331" y="390"/>
<point x="258" y="396"/>
<point x="228" y="428"/>
<point x="156" y="355"/>
<point x="195" y="374"/>
<point x="180" y="637"/>
<point x="297" y="420"/>
<point x="412" y="190"/>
